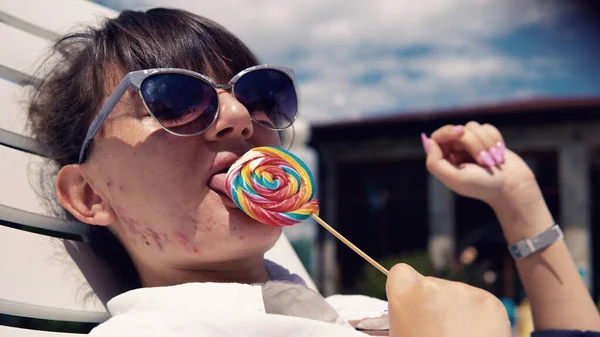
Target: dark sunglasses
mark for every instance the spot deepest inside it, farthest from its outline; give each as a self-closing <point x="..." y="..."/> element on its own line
<point x="186" y="103"/>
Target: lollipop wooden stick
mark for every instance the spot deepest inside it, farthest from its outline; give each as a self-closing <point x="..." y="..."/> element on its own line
<point x="349" y="244"/>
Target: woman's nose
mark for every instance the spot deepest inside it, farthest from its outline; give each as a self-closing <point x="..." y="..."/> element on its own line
<point x="233" y="120"/>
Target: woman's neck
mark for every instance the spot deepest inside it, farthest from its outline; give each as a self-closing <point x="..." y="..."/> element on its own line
<point x="249" y="271"/>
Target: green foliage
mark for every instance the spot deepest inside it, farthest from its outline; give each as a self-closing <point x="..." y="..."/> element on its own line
<point x="304" y="249"/>
<point x="372" y="282"/>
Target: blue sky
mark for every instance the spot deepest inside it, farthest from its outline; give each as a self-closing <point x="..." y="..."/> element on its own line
<point x="357" y="59"/>
<point x="571" y="43"/>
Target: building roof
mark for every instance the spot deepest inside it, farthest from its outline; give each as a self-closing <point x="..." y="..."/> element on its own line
<point x="505" y="107"/>
<point x="553" y="110"/>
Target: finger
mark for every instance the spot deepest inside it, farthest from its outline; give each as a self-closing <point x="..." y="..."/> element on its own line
<point x="447" y="133"/>
<point x="401" y="278"/>
<point x="458" y="158"/>
<point x="446" y="149"/>
<point x="437" y="165"/>
<point x="499" y="146"/>
<point x="488" y="141"/>
<point x="471" y="144"/>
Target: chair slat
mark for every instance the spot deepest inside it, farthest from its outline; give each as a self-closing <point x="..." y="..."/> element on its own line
<point x="13" y="216"/>
<point x="41" y="280"/>
<point x="17" y="176"/>
<point x="15" y="76"/>
<point x="22" y="143"/>
<point x="13" y="129"/>
<point x="7" y="331"/>
<point x="33" y="15"/>
<point x="13" y="99"/>
<point x="26" y="50"/>
<point x="19" y="202"/>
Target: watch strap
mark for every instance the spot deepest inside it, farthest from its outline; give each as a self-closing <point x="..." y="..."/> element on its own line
<point x="524" y="248"/>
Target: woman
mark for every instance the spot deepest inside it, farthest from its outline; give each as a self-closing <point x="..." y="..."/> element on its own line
<point x="141" y="154"/>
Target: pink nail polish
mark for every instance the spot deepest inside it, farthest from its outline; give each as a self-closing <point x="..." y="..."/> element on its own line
<point x="501" y="149"/>
<point x="425" y="141"/>
<point x="484" y="157"/>
<point x="495" y="153"/>
<point x="458" y="129"/>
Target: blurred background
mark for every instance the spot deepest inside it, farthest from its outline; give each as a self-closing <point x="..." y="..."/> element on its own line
<point x="373" y="75"/>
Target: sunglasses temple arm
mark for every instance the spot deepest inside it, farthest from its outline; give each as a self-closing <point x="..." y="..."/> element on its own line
<point x="106" y="109"/>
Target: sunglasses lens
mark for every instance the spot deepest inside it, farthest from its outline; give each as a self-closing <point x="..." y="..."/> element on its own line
<point x="270" y="97"/>
<point x="181" y="103"/>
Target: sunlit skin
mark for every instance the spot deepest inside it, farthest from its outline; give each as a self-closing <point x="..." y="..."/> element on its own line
<point x="163" y="195"/>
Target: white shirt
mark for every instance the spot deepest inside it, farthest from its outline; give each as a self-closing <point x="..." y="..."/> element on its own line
<point x="277" y="308"/>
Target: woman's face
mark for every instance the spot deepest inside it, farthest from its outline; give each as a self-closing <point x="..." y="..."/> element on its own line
<point x="168" y="192"/>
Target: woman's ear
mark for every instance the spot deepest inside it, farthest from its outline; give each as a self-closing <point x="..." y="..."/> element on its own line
<point x="77" y="196"/>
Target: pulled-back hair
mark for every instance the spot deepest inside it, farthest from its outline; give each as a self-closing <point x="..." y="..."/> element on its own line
<point x="84" y="67"/>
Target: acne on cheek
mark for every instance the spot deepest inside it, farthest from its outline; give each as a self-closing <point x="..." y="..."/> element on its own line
<point x="131" y="225"/>
<point x="149" y="237"/>
<point x="159" y="239"/>
<point x="208" y="221"/>
<point x="186" y="243"/>
<point x="109" y="183"/>
<point x="136" y="230"/>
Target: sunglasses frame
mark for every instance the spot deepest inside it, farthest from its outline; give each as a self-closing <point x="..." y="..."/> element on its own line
<point x="134" y="80"/>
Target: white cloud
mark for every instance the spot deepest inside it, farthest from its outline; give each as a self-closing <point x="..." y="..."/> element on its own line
<point x="341" y="41"/>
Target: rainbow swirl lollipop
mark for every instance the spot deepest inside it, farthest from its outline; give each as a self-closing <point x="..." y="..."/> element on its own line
<point x="272" y="186"/>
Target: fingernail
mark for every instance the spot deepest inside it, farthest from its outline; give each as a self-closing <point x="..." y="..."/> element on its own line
<point x="485" y="158"/>
<point x="425" y="141"/>
<point x="495" y="153"/>
<point x="458" y="129"/>
<point x="501" y="149"/>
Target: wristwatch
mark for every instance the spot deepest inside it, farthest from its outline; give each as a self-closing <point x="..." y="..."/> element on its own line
<point x="524" y="248"/>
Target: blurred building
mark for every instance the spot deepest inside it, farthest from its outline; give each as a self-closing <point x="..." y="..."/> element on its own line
<point x="376" y="191"/>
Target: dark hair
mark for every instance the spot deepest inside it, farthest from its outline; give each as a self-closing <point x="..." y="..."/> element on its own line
<point x="81" y="67"/>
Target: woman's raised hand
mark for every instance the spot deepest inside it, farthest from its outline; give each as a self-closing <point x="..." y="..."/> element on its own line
<point x="473" y="161"/>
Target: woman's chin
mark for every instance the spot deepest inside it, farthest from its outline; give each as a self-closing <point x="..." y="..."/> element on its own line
<point x="260" y="236"/>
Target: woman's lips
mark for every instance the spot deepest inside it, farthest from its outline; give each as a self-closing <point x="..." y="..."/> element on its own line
<point x="217" y="184"/>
